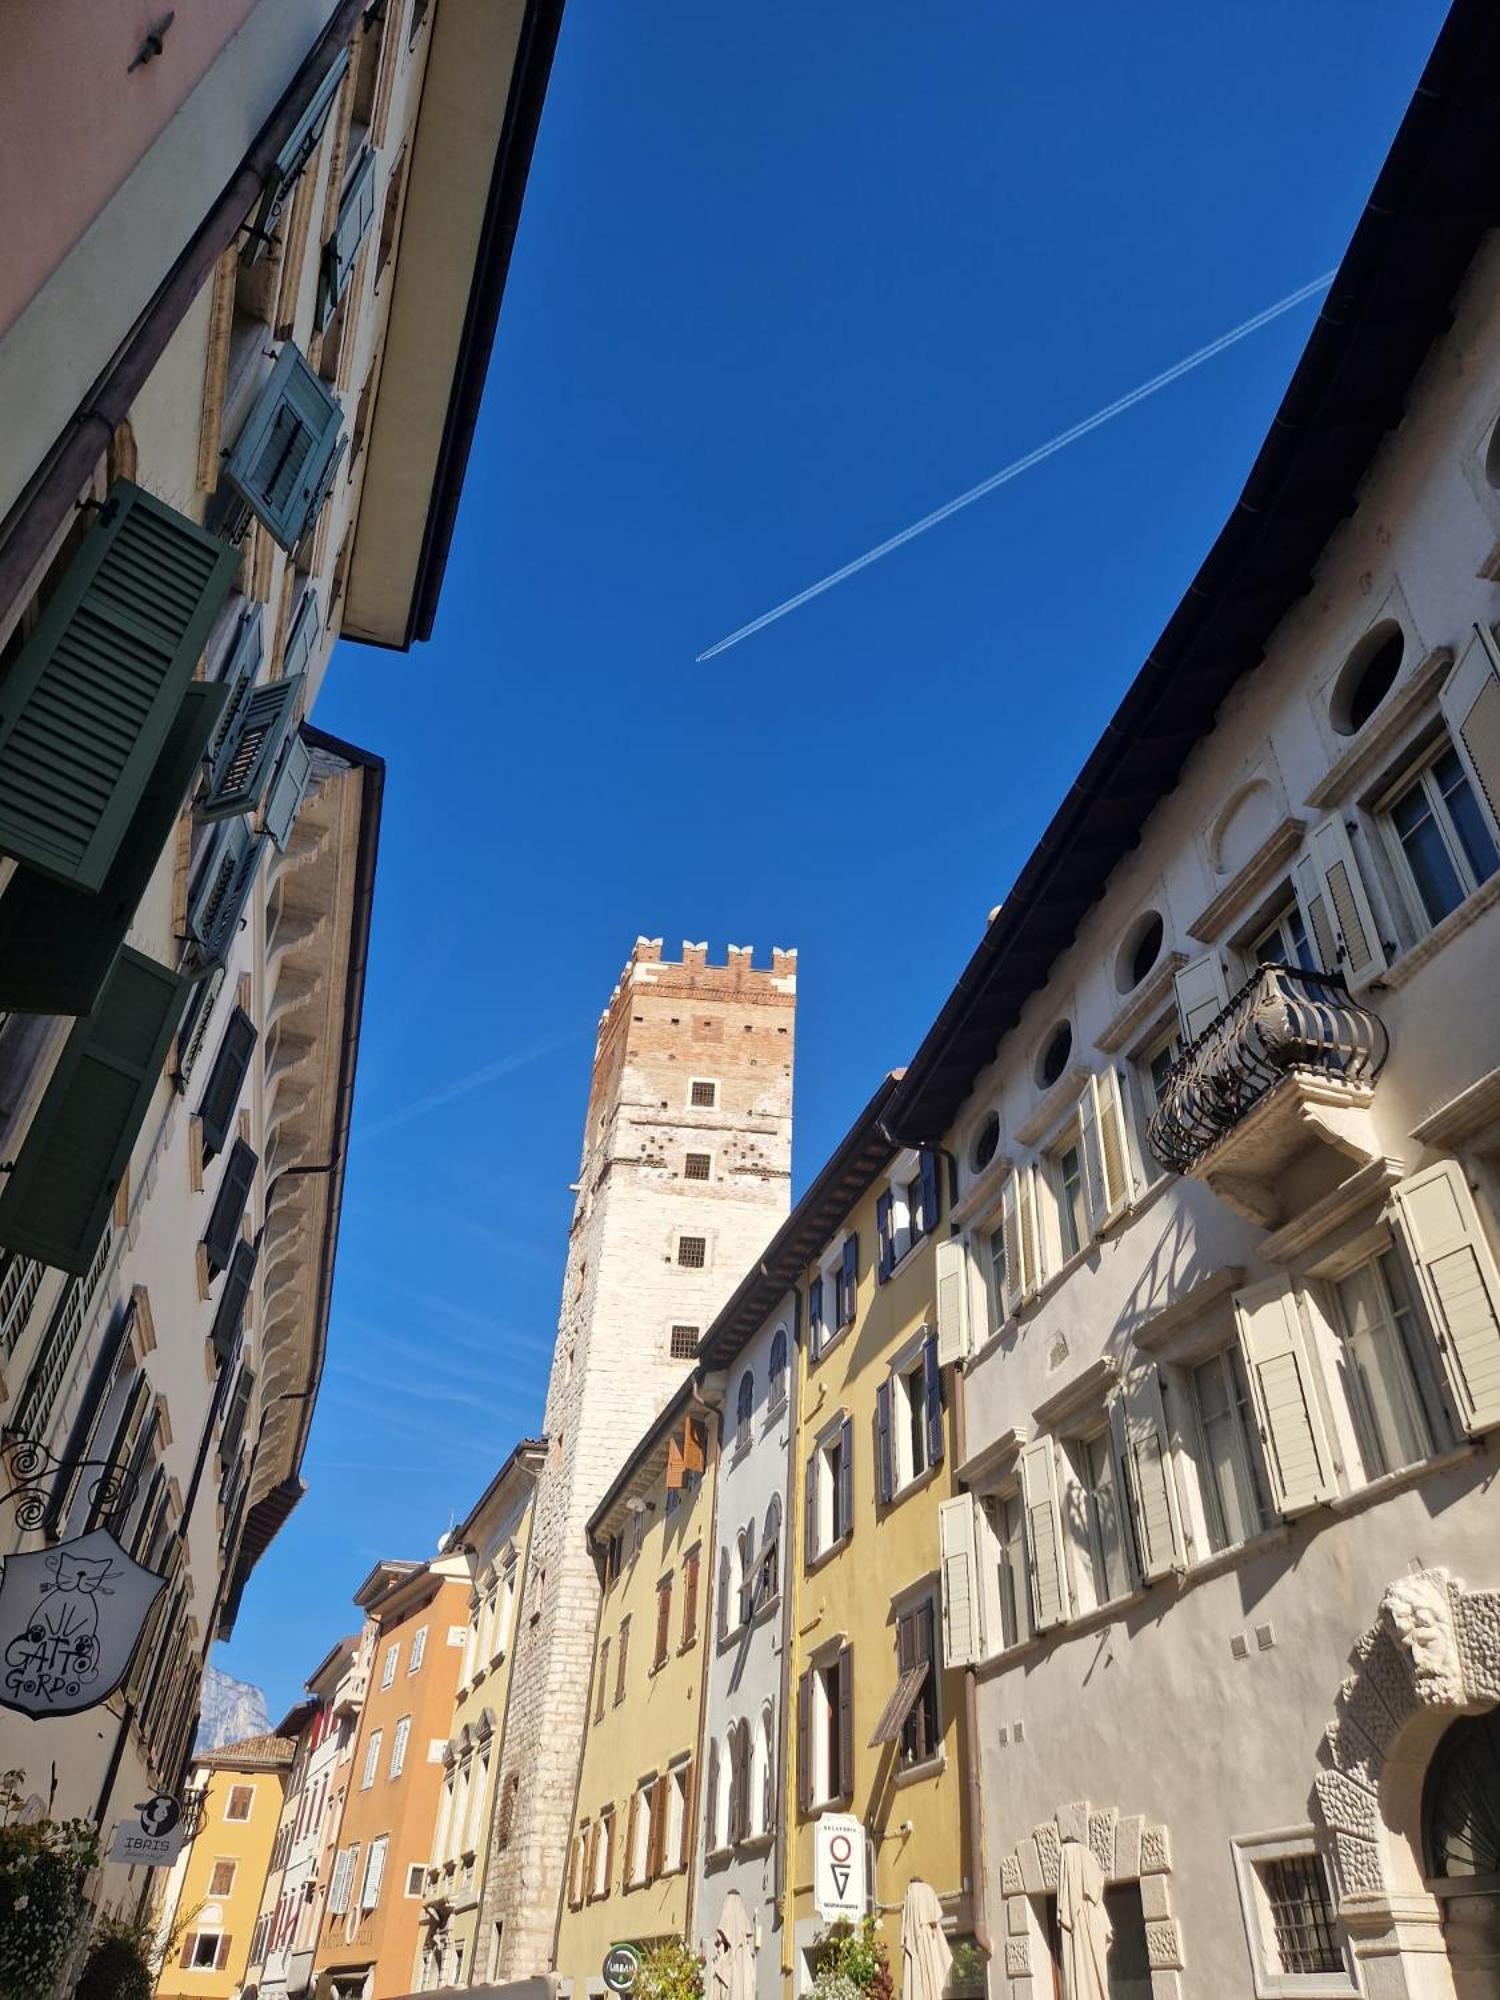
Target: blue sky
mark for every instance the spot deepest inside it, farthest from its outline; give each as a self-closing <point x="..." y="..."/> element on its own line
<point x="787" y="278"/>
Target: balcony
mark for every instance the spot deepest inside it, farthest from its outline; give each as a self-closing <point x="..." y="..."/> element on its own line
<point x="1285" y="1072"/>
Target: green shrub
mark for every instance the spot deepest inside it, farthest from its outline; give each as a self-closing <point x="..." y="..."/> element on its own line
<point x="670" y="1970"/>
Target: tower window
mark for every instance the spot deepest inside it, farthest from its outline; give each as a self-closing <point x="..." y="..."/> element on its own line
<point x="696" y="1167"/>
<point x="703" y="1094"/>
<point x="684" y="1343"/>
<point x="692" y="1252"/>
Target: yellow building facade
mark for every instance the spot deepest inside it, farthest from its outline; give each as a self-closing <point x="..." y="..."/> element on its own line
<point x="631" y="1849"/>
<point x="213" y="1892"/>
<point x="877" y="1719"/>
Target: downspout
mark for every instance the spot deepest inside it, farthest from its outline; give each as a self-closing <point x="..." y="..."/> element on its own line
<point x="970" y="1748"/>
<point x="710" y="1612"/>
<point x="28" y="530"/>
<point x="781" y="1869"/>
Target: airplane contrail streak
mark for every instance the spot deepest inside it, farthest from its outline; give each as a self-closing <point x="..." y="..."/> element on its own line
<point x="1020" y="465"/>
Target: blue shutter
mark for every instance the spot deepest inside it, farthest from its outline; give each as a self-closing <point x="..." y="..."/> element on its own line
<point x="356" y="213"/>
<point x="239" y="675"/>
<point x="931" y="1206"/>
<point x="57" y="1197"/>
<point x="815" y="1314"/>
<point x="230" y="1315"/>
<point x="228" y="1210"/>
<point x="242" y="770"/>
<point x="934" y="1384"/>
<point x="226" y="1080"/>
<point x="851" y="1277"/>
<point x="810" y="1511"/>
<point x="196" y="1023"/>
<point x="221" y="891"/>
<point x="885" y="1483"/>
<point x="86" y="709"/>
<point x="284" y="456"/>
<point x="288" y="788"/>
<point x="303" y="637"/>
<point x="298" y="148"/>
<point x="887" y="1258"/>
<point x="846" y="1476"/>
<point x="57" y="944"/>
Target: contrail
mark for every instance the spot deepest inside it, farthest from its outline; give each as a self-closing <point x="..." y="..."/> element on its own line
<point x="476" y="1080"/>
<point x="1020" y="465"/>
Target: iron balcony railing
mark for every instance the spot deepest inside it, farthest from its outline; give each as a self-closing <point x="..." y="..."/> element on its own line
<point x="1282" y="1019"/>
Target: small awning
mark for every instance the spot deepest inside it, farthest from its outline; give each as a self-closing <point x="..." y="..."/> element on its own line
<point x="900" y="1705"/>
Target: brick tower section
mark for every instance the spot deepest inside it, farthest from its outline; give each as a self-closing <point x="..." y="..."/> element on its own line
<point x="686" y="1175"/>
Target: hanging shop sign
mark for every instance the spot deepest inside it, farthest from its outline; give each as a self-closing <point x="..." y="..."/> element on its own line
<point x="153" y="1836"/>
<point x="622" y="1968"/>
<point x="839" y="1866"/>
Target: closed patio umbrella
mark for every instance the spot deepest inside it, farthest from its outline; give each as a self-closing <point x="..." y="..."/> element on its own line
<point x="925" y="1957"/>
<point x="734" y="1952"/>
<point x="1084" y="1926"/>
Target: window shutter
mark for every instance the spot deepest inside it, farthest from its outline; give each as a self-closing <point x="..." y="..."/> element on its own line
<point x="846" y="1475"/>
<point x="632" y="1821"/>
<point x="690" y="1570"/>
<point x="96" y="1393"/>
<point x="57" y="943"/>
<point x="56" y="1200"/>
<point x="232" y="1435"/>
<point x="1333" y="893"/>
<point x="229" y="1206"/>
<point x="658" y="1808"/>
<point x="663" y="1621"/>
<point x="239" y="672"/>
<point x="885" y="1483"/>
<point x="296" y="151"/>
<point x="1010" y="1223"/>
<point x="283" y="455"/>
<point x="1139" y="1424"/>
<point x="1109" y="1109"/>
<point x="622" y="1656"/>
<point x="221" y="1094"/>
<point x="851" y="1273"/>
<point x="356" y="213"/>
<point x="963" y="1608"/>
<point x="887" y="1247"/>
<point x="288" y="789"/>
<point x="809" y="1513"/>
<point x="1470" y="701"/>
<point x="1091" y="1152"/>
<point x="804" y="1743"/>
<point x="1286" y="1403"/>
<point x="221" y="892"/>
<point x="1044" y="1536"/>
<point x="952" y="1302"/>
<point x="185" y="1957"/>
<point x="711" y="1799"/>
<point x="723" y="1609"/>
<point x="931" y="1198"/>
<point x="222" y="1957"/>
<point x="1201" y="994"/>
<point x="242" y="769"/>
<point x="1032" y="1261"/>
<point x="1460" y="1286"/>
<point x="934" y="1383"/>
<point x="230" y="1314"/>
<point x="815" y="1314"/>
<point x="846" y="1724"/>
<point x="117" y="645"/>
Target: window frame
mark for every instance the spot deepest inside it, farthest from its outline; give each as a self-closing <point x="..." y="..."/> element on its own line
<point x="692" y="1153"/>
<point x="703" y="1083"/>
<point x="833" y="1785"/>
<point x="1087" y="1453"/>
<point x="1415" y="771"/>
<point x="1247" y="1469"/>
<point x="995" y="1499"/>
<point x="1408" y="1345"/>
<point x="1251" y="1853"/>
<point x="247" y="1793"/>
<point x="695" y="1263"/>
<point x="926" y="1710"/>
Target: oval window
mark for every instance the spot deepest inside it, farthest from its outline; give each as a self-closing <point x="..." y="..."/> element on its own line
<point x="1368" y="677"/>
<point x="1140" y="951"/>
<point x="1054" y="1057"/>
<point x="986" y="1143"/>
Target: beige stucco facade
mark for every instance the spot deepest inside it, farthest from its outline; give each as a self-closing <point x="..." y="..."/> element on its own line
<point x="212" y="1893"/>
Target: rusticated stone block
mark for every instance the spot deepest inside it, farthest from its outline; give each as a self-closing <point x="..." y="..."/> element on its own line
<point x="1163" y="1946"/>
<point x="1128" y="1848"/>
<point x="1073" y="1822"/>
<point x="1156" y="1851"/>
<point x="1102" y="1838"/>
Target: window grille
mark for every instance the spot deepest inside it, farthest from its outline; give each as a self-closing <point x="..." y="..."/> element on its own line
<point x="684" y="1342"/>
<point x="704" y="1095"/>
<point x="1301" y="1915"/>
<point x="692" y="1252"/>
<point x="695" y="1167"/>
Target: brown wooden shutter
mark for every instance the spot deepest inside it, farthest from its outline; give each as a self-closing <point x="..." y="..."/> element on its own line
<point x="632" y="1821"/>
<point x="663" y="1622"/>
<point x="690" y="1598"/>
<point x="658" y="1855"/>
<point x="221" y="1957"/>
<point x="185" y="1956"/>
<point x="601" y="1690"/>
<point x="846" y="1476"/>
<point x="804" y="1743"/>
<point x="624" y="1654"/>
<point x="846" y="1723"/>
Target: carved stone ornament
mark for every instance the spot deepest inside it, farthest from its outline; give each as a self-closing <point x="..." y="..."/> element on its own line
<point x="1419" y="1611"/>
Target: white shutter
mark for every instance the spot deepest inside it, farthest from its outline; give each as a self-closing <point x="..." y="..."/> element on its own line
<point x="1044" y="1536"/>
<point x="1031" y="1257"/>
<point x="1471" y="703"/>
<point x="1460" y="1286"/>
<point x="1092" y="1156"/>
<point x="952" y="1302"/>
<point x="1285" y="1396"/>
<point x="1201" y="993"/>
<point x="1010" y="1223"/>
<point x="963" y="1606"/>
<point x="1113" y="1146"/>
<point x="1312" y="895"/>
<point x="1335" y="875"/>
<point x="1140" y="1428"/>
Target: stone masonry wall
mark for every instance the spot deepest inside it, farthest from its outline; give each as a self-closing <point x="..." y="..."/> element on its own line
<point x="612" y="1369"/>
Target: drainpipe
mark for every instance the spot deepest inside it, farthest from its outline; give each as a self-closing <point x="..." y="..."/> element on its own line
<point x="28" y="530"/>
<point x="715" y="1410"/>
<point x="972" y="1783"/>
<point x="781" y="1868"/>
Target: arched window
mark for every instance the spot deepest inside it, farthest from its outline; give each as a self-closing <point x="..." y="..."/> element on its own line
<point x="777" y="1387"/>
<point x="771" y="1552"/>
<point x="1461" y="1800"/>
<point x="724" y="1816"/>
<point x="744" y="1408"/>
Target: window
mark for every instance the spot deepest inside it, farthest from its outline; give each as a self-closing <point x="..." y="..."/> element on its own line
<point x="1140" y="951"/>
<point x="994" y="1275"/>
<point x="744" y="1574"/>
<point x="1154" y="1066"/>
<point x="343" y="1873"/>
<point x="744" y="1410"/>
<point x="692" y="1252"/>
<point x="675" y="1836"/>
<point x="909" y="1421"/>
<point x="703" y="1094"/>
<point x="1072" y="1204"/>
<point x="418" y="1648"/>
<point x="663" y="1624"/>
<point x="986" y="1143"/>
<point x="1377" y="1322"/>
<point x="602" y="1871"/>
<point x="776" y="1380"/>
<point x="388" y="1668"/>
<point x="638" y="1837"/>
<point x="1284" y="941"/>
<point x="372" y="1760"/>
<point x="238" y="1804"/>
<point x="1094" y="1468"/>
<point x="369" y="1893"/>
<point x="1290" y="1921"/>
<point x="830" y="1497"/>
<point x="601" y="1680"/>
<point x="620" y="1663"/>
<point x="845" y="1283"/>
<point x="414" y="1880"/>
<point x="696" y="1166"/>
<point x="1007" y="1530"/>
<point x="1053" y="1059"/>
<point x="916" y="1654"/>
<point x="765" y="1772"/>
<point x="221" y="1881"/>
<point x="398" y="1746"/>
<point x="825" y="1732"/>
<point x="1301" y="1914"/>
<point x="1369" y="675"/>
<point x="768" y="1565"/>
<point x="1233" y="1501"/>
<point x="201" y="1951"/>
<point x="907" y="1211"/>
<point x="684" y="1343"/>
<point x="692" y="1563"/>
<point x="1442" y="835"/>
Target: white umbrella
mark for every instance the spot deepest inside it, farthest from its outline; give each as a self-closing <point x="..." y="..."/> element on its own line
<point x="925" y="1957"/>
<point x="734" y="1952"/>
<point x="1084" y="1926"/>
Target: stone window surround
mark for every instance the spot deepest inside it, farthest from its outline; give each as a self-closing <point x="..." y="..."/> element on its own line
<point x="1251" y="1851"/>
<point x="1128" y="1850"/>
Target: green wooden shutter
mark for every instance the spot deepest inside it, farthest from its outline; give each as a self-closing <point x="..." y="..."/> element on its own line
<point x="57" y="944"/>
<point x="297" y="149"/>
<point x="885" y="1484"/>
<point x="356" y="213"/>
<point x="230" y="1316"/>
<point x="229" y="1206"/>
<point x="239" y="675"/>
<point x="284" y="453"/>
<point x="288" y="788"/>
<point x="234" y="1418"/>
<point x="56" y="1201"/>
<point x="307" y="623"/>
<point x="221" y="891"/>
<point x="226" y="1079"/>
<point x="242" y="769"/>
<point x="86" y="709"/>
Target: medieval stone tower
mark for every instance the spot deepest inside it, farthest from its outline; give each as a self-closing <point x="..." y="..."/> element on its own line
<point x="686" y="1174"/>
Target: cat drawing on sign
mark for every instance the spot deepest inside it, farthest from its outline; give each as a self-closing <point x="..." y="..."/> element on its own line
<point x="58" y="1652"/>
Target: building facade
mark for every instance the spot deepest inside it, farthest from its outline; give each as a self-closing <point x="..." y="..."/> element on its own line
<point x="277" y="1892"/>
<point x="213" y="1890"/>
<point x="1223" y="1083"/>
<point x="630" y="1851"/>
<point x="685" y="1173"/>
